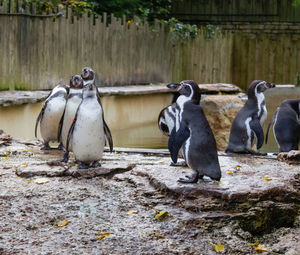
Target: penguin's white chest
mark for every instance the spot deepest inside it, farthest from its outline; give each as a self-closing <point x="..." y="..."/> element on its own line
<point x="88" y="137"/>
<point x="52" y="115"/>
<point x="70" y="111"/>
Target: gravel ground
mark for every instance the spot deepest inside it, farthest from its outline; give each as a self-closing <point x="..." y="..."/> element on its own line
<point x="113" y="214"/>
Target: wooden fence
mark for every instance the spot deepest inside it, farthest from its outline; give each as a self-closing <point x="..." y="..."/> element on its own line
<point x="37" y="52"/>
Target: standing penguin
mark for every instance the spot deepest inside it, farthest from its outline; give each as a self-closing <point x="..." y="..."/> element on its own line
<point x="87" y="131"/>
<point x="88" y="75"/>
<point x="74" y="99"/>
<point x="248" y="123"/>
<point x="50" y="115"/>
<point x="193" y="134"/>
<point x="167" y="116"/>
<point x="286" y="127"/>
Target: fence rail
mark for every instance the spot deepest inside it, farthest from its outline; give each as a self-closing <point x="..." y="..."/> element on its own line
<point x="37" y="52"/>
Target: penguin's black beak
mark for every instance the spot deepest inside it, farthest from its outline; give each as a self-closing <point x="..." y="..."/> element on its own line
<point x="270" y="85"/>
<point x="173" y="85"/>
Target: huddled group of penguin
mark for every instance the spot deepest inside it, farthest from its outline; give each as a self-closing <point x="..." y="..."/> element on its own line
<point x="191" y="136"/>
<point x="73" y="115"/>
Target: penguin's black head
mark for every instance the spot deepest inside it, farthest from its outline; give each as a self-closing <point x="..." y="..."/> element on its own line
<point x="187" y="88"/>
<point x="76" y="82"/>
<point x="88" y="74"/>
<point x="259" y="86"/>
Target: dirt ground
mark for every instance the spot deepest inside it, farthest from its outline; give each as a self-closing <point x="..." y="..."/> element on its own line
<point x="133" y="205"/>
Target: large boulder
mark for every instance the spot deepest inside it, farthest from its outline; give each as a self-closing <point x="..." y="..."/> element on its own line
<point x="220" y="110"/>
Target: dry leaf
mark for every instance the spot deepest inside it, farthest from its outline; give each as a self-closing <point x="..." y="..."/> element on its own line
<point x="161" y="214"/>
<point x="229" y="172"/>
<point x="254" y="244"/>
<point x="102" y="235"/>
<point x="25" y="164"/>
<point x="41" y="180"/>
<point x="6" y="158"/>
<point x="219" y="248"/>
<point x="132" y="212"/>
<point x="260" y="248"/>
<point x="62" y="223"/>
<point x="267" y="179"/>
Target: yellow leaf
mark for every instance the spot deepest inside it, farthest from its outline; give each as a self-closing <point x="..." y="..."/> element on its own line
<point x="219" y="248"/>
<point x="229" y="172"/>
<point x="267" y="179"/>
<point x="62" y="223"/>
<point x="132" y="212"/>
<point x="254" y="244"/>
<point x="30" y="150"/>
<point x="102" y="235"/>
<point x="216" y="182"/>
<point x="41" y="181"/>
<point x="260" y="248"/>
<point x="25" y="164"/>
<point x="161" y="214"/>
<point x="6" y="158"/>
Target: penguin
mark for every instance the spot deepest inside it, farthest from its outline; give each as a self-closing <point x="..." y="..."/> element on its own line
<point x="193" y="134"/>
<point x="88" y="76"/>
<point x="247" y="125"/>
<point x="87" y="132"/>
<point x="50" y="115"/>
<point x="167" y="118"/>
<point x="73" y="101"/>
<point x="286" y="128"/>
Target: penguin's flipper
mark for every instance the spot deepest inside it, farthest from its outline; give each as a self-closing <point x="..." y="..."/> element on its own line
<point x="39" y="118"/>
<point x="70" y="132"/>
<point x="270" y="124"/>
<point x="106" y="128"/>
<point x="177" y="139"/>
<point x="258" y="131"/>
<point x="108" y="135"/>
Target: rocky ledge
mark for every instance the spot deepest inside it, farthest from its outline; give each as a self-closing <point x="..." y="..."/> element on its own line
<point x="134" y="203"/>
<point x="17" y="97"/>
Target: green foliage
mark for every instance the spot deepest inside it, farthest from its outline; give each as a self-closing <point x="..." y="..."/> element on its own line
<point x="210" y="31"/>
<point x="181" y="32"/>
<point x="296" y="2"/>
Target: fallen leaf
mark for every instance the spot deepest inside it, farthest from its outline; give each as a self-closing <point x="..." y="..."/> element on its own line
<point x="132" y="212"/>
<point x="267" y="179"/>
<point x="30" y="150"/>
<point x="229" y="172"/>
<point x="62" y="223"/>
<point x="161" y="214"/>
<point x="219" y="248"/>
<point x="41" y="180"/>
<point x="254" y="244"/>
<point x="260" y="248"/>
<point x="6" y="158"/>
<point x="102" y="235"/>
<point x="25" y="164"/>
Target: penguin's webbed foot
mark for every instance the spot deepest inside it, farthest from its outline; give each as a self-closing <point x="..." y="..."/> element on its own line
<point x="46" y="146"/>
<point x="190" y="178"/>
<point x="182" y="163"/>
<point x="65" y="157"/>
<point x="95" y="164"/>
<point x="60" y="147"/>
<point x="82" y="165"/>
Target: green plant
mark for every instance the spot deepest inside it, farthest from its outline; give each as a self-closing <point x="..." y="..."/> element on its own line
<point x="180" y="31"/>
